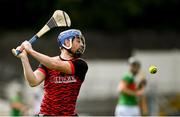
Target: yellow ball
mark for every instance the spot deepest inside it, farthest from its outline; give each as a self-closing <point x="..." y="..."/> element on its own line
<point x="152" y="69"/>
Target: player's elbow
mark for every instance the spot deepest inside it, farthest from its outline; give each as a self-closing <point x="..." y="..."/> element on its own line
<point x="32" y="81"/>
<point x="123" y="89"/>
<point x="33" y="84"/>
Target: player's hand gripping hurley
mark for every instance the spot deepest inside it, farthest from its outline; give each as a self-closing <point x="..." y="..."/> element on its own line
<point x="59" y="19"/>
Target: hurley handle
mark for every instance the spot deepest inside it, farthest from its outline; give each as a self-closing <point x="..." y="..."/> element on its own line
<point x="32" y="40"/>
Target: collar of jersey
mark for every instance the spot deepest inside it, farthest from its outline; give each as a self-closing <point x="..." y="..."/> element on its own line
<point x="65" y="59"/>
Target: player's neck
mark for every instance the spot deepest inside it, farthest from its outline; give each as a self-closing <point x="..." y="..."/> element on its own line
<point x="66" y="55"/>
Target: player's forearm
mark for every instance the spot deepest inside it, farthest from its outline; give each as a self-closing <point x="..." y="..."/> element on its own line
<point x="28" y="72"/>
<point x="128" y="92"/>
<point x="143" y="105"/>
<point x="43" y="59"/>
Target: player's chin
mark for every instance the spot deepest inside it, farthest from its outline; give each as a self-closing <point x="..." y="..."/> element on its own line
<point x="81" y="49"/>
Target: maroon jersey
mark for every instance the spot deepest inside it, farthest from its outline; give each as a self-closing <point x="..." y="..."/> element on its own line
<point x="61" y="90"/>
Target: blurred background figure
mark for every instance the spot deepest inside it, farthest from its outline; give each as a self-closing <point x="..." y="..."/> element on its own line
<point x="141" y="83"/>
<point x="18" y="108"/>
<point x="129" y="92"/>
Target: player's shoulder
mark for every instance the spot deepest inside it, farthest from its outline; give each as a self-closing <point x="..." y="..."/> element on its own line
<point x="127" y="75"/>
<point x="55" y="57"/>
<point x="80" y="62"/>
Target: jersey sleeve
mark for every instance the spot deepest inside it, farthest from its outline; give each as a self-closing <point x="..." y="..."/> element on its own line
<point x="127" y="78"/>
<point x="79" y="67"/>
<point x="42" y="69"/>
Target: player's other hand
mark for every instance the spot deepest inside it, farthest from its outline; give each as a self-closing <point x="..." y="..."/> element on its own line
<point x="23" y="54"/>
<point x="27" y="46"/>
<point x="140" y="92"/>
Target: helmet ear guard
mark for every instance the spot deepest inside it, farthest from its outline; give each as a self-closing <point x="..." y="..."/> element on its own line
<point x="63" y="45"/>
